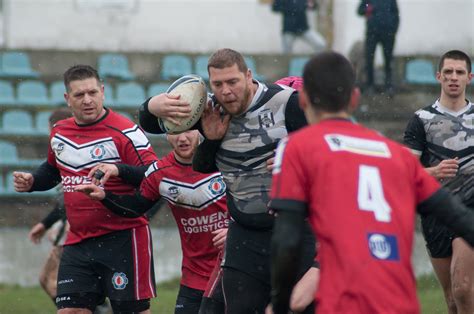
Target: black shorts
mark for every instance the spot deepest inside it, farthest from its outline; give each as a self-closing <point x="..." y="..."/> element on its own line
<point x="118" y="265"/>
<point x="248" y="251"/>
<point x="438" y="237"/>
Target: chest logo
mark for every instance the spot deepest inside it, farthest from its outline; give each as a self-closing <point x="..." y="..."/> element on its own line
<point x="266" y="120"/>
<point x="97" y="152"/>
<point x="120" y="281"/>
<point x="59" y="149"/>
<point x="216" y="186"/>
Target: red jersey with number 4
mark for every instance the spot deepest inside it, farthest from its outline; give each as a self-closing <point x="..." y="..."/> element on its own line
<point x="197" y="201"/>
<point x="361" y="192"/>
<point x="75" y="149"/>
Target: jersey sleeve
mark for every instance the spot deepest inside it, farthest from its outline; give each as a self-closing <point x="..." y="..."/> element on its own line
<point x="289" y="187"/>
<point x="415" y="136"/>
<point x="150" y="186"/>
<point x="294" y="116"/>
<point x="137" y="150"/>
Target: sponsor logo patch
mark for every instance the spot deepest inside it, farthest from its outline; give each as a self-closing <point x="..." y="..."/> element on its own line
<point x="383" y="246"/>
<point x="216" y="186"/>
<point x="120" y="281"/>
<point x="361" y="146"/>
<point x="97" y="152"/>
<point x="59" y="149"/>
<point x="173" y="191"/>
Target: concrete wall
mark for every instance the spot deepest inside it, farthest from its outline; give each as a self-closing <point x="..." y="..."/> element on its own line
<point x="427" y="26"/>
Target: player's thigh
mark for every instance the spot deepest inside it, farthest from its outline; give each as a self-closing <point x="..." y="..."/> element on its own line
<point x="188" y="300"/>
<point x="76" y="274"/>
<point x="244" y="293"/>
<point x="124" y="261"/>
<point x="131" y="306"/>
<point x="49" y="272"/>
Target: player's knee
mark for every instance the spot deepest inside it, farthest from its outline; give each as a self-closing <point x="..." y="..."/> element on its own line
<point x="462" y="291"/>
<point x="130" y="307"/>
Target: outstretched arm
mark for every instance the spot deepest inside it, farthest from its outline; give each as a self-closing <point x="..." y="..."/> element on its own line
<point x="125" y="205"/>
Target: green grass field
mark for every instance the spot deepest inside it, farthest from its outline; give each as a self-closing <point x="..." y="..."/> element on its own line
<point x="17" y="300"/>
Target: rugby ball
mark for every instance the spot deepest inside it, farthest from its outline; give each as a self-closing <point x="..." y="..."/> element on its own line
<point x="192" y="89"/>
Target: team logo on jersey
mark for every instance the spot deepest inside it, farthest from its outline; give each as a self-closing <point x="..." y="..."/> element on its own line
<point x="120" y="281"/>
<point x="173" y="191"/>
<point x="265" y="118"/>
<point x="216" y="186"/>
<point x="383" y="246"/>
<point x="59" y="149"/>
<point x="97" y="152"/>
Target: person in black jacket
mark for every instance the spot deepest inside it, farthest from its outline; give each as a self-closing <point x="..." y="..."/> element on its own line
<point x="295" y="24"/>
<point x="382" y="25"/>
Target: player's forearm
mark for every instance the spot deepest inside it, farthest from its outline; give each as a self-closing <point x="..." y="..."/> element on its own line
<point x="204" y="159"/>
<point x="147" y="120"/>
<point x="451" y="212"/>
<point x="132" y="174"/>
<point x="125" y="205"/>
<point x="285" y="248"/>
<point x="46" y="177"/>
<point x="56" y="214"/>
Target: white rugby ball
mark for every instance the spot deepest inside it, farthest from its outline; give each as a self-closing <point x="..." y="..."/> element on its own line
<point x="192" y="89"/>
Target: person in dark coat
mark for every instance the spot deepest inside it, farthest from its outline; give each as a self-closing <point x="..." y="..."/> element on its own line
<point x="295" y="24"/>
<point x="382" y="24"/>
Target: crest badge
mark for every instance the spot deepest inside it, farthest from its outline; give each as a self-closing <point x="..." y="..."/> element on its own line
<point x="266" y="120"/>
<point x="120" y="281"/>
<point x="97" y="152"/>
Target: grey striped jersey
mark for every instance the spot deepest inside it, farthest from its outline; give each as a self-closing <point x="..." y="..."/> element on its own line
<point x="250" y="141"/>
<point x="435" y="133"/>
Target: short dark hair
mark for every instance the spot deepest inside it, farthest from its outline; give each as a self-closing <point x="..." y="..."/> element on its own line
<point x="79" y="72"/>
<point x="226" y="57"/>
<point x="455" y="55"/>
<point x="328" y="79"/>
<point x="59" y="114"/>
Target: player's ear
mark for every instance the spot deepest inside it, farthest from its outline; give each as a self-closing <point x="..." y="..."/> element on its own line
<point x="303" y="99"/>
<point x="355" y="98"/>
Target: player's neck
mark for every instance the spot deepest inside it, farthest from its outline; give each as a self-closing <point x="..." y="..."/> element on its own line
<point x="320" y="116"/>
<point x="453" y="103"/>
<point x="182" y="160"/>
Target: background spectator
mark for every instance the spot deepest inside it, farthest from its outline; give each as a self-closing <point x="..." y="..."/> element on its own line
<point x="382" y="25"/>
<point x="295" y="24"/>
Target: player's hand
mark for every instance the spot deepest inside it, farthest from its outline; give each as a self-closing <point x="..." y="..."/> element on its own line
<point x="270" y="163"/>
<point x="269" y="309"/>
<point x="169" y="107"/>
<point x="219" y="238"/>
<point x="22" y="181"/>
<point x="214" y="124"/>
<point x="91" y="190"/>
<point x="37" y="232"/>
<point x="102" y="172"/>
<point x="447" y="168"/>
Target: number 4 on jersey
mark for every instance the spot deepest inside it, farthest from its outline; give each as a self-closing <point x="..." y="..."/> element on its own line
<point x="370" y="193"/>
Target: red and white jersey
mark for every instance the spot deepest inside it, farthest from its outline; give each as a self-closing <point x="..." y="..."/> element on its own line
<point x="361" y="192"/>
<point x="75" y="149"/>
<point x="198" y="203"/>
